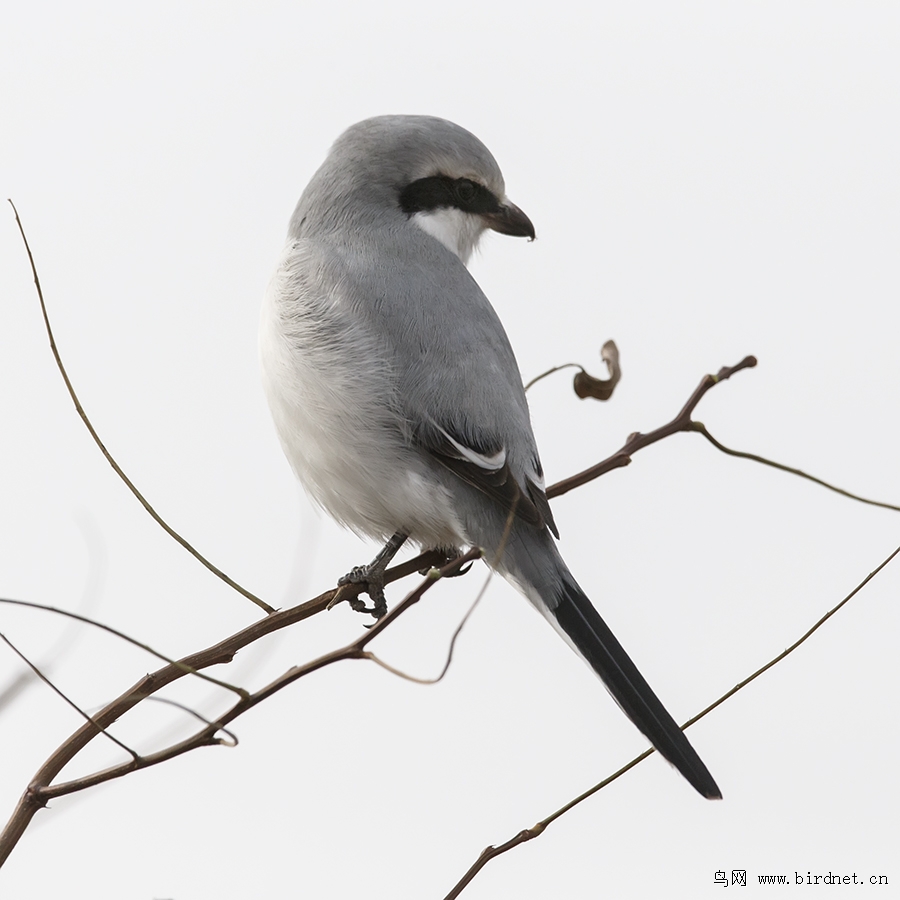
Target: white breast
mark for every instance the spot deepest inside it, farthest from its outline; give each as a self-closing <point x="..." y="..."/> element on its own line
<point x="330" y="391"/>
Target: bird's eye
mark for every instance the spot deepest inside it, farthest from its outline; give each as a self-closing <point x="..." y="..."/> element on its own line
<point x="466" y="190"/>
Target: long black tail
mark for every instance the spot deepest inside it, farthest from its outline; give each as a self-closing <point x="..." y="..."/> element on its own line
<point x="592" y="638"/>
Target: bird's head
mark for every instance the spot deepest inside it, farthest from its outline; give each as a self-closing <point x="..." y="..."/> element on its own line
<point x="430" y="171"/>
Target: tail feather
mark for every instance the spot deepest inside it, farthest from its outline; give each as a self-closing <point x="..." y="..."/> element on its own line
<point x="592" y="638"/>
<point x="529" y="559"/>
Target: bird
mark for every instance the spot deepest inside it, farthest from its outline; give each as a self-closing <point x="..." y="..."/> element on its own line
<point x="395" y="391"/>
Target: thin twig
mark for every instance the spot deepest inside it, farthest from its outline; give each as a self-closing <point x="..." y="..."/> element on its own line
<point x="109" y="457"/>
<point x="700" y="428"/>
<point x="528" y="834"/>
<point x="168" y="701"/>
<point x="559" y="368"/>
<point x="67" y="638"/>
<point x="62" y="695"/>
<point x="416" y="680"/>
<point x="120" y="634"/>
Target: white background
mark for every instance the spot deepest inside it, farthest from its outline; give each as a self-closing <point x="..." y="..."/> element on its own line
<point x="707" y="181"/>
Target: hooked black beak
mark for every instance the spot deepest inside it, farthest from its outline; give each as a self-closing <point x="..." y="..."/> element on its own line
<point x="509" y="219"/>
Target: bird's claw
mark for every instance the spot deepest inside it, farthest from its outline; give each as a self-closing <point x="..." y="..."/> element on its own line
<point x="461" y="571"/>
<point x="372" y="578"/>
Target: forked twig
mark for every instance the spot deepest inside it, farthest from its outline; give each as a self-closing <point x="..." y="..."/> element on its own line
<point x="637" y="441"/>
<point x="41" y="789"/>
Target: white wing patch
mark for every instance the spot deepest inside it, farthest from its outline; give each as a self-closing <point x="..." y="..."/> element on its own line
<point x="492" y="463"/>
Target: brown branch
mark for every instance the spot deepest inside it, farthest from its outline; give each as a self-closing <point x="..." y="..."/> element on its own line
<point x="637" y="441"/>
<point x="41" y="789"/>
<point x="109" y="457"/>
<point x="528" y="834"/>
<point x="684" y="422"/>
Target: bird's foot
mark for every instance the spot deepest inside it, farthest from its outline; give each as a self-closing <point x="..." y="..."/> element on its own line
<point x="372" y="576"/>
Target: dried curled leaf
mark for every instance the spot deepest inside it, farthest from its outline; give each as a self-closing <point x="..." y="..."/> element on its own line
<point x="599" y="388"/>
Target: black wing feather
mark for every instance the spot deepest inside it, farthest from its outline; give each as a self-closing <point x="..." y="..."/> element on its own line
<point x="499" y="484"/>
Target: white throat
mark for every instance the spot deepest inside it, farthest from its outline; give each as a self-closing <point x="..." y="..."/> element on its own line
<point x="458" y="231"/>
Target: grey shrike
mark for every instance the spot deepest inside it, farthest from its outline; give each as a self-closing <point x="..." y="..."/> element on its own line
<point x="395" y="391"/>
